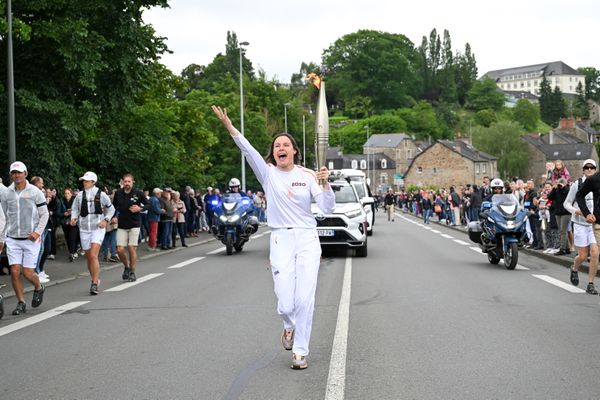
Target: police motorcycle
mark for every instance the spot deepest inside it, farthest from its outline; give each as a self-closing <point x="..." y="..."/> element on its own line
<point x="501" y="229"/>
<point x="233" y="221"/>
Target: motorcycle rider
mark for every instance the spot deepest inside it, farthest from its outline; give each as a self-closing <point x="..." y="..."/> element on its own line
<point x="497" y="186"/>
<point x="234" y="187"/>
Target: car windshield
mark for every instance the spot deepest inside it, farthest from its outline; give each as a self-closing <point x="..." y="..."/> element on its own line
<point x="344" y="194"/>
<point x="360" y="188"/>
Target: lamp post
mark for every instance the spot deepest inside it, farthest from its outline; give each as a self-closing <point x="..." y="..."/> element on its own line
<point x="303" y="140"/>
<point x="12" y="149"/>
<point x="367" y="149"/>
<point x="242" y="115"/>
<point x="285" y="106"/>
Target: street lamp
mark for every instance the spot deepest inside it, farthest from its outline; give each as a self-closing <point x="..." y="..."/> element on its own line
<point x="367" y="149"/>
<point x="12" y="149"/>
<point x="285" y="106"/>
<point x="303" y="140"/>
<point x="242" y="116"/>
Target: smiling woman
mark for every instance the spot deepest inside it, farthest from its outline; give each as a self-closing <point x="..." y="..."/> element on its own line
<point x="295" y="251"/>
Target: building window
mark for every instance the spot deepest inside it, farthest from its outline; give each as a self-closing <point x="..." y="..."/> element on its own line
<point x="354" y="164"/>
<point x="383" y="179"/>
<point x="434" y="171"/>
<point x="483" y="168"/>
<point x="363" y="164"/>
<point x="383" y="163"/>
<point x="477" y="169"/>
<point x="534" y="83"/>
<point x="408" y="154"/>
<point x="522" y="84"/>
<point x="528" y="83"/>
<point x="419" y="170"/>
<point x="330" y="165"/>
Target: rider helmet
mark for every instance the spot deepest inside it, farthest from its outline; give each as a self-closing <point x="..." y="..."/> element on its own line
<point x="497" y="184"/>
<point x="234" y="182"/>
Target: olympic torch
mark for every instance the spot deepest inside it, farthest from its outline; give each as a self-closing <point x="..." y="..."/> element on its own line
<point x="322" y="128"/>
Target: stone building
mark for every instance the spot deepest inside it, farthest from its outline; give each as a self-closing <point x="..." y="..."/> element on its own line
<point x="378" y="167"/>
<point x="397" y="146"/>
<point x="556" y="145"/>
<point x="450" y="163"/>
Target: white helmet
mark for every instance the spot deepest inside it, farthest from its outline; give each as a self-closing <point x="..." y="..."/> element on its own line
<point x="234" y="182"/>
<point x="497" y="183"/>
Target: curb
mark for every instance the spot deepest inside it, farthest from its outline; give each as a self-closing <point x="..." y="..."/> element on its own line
<point x="111" y="267"/>
<point x="565" y="262"/>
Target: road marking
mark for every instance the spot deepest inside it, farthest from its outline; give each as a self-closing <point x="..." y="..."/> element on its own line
<point x="41" y="317"/>
<point x="427" y="227"/>
<point x="521" y="268"/>
<point x="447" y="236"/>
<point x="336" y="381"/>
<point x="183" y="264"/>
<point x="256" y="236"/>
<point x="434" y="231"/>
<point x="217" y="250"/>
<point x="560" y="284"/>
<point x="137" y="282"/>
<point x="462" y="242"/>
<point x="476" y="250"/>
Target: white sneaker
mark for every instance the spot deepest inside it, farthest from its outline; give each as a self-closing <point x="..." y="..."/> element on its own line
<point x="43" y="279"/>
<point x="43" y="274"/>
<point x="50" y="257"/>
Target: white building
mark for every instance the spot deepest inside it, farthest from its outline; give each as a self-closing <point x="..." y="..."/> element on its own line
<point x="529" y="78"/>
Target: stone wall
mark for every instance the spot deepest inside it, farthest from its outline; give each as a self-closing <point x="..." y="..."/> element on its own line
<point x="442" y="167"/>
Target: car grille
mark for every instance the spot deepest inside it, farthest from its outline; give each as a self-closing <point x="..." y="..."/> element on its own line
<point x="340" y="236"/>
<point x="331" y="222"/>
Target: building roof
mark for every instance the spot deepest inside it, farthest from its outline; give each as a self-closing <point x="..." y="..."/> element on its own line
<point x="520" y="94"/>
<point x="467" y="150"/>
<point x="551" y="68"/>
<point x="391" y="140"/>
<point x="569" y="151"/>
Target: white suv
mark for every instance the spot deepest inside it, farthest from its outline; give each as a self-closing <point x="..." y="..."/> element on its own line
<point x="347" y="225"/>
<point x="359" y="181"/>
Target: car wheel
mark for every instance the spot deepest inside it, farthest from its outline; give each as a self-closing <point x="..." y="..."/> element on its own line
<point x="362" y="250"/>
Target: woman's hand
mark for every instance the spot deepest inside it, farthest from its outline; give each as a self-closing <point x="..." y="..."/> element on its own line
<point x="224" y="118"/>
<point x="323" y="176"/>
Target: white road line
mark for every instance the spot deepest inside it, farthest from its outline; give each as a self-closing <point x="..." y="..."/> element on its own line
<point x="434" y="231"/>
<point x="336" y="381"/>
<point x="447" y="236"/>
<point x="217" y="250"/>
<point x="521" y="268"/>
<point x="560" y="284"/>
<point x="256" y="236"/>
<point x="476" y="250"/>
<point x="41" y="317"/>
<point x="183" y="264"/>
<point x="462" y="242"/>
<point x="137" y="282"/>
<point x="427" y="227"/>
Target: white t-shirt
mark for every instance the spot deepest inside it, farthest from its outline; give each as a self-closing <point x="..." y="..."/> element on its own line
<point x="288" y="193"/>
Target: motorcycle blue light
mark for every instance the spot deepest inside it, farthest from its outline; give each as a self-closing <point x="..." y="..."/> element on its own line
<point x="214" y="202"/>
<point x="245" y="201"/>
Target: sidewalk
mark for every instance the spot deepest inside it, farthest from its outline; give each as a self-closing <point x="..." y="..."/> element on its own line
<point x="61" y="270"/>
<point x="566" y="260"/>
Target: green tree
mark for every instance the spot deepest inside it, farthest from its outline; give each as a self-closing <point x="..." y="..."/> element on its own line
<point x="466" y="73"/>
<point x="503" y="140"/>
<point x="485" y="117"/>
<point x="592" y="82"/>
<point x="372" y="64"/>
<point x="580" y="107"/>
<point x="547" y="112"/>
<point x="526" y="114"/>
<point x="485" y="95"/>
<point x="422" y="121"/>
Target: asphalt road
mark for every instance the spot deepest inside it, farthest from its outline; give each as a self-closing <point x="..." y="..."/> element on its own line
<point x="427" y="318"/>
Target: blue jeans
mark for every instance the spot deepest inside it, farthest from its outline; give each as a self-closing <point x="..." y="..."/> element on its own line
<point x="426" y="215"/>
<point x="110" y="238"/>
<point x="167" y="229"/>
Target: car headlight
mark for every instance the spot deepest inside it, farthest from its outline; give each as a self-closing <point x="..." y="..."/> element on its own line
<point x="353" y="213"/>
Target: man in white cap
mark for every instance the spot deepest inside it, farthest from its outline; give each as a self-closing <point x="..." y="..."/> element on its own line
<point x="584" y="234"/>
<point x="26" y="212"/>
<point x="93" y="208"/>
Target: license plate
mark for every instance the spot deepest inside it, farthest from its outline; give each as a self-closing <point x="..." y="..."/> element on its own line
<point x="326" y="232"/>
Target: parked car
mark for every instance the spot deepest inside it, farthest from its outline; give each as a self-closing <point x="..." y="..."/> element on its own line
<point x="346" y="227"/>
<point x="359" y="181"/>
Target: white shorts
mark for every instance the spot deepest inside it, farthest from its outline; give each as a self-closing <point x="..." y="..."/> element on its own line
<point x="23" y="252"/>
<point x="89" y="237"/>
<point x="583" y="235"/>
<point x="128" y="237"/>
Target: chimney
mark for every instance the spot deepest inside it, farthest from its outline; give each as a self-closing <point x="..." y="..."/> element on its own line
<point x="567" y="123"/>
<point x="551" y="137"/>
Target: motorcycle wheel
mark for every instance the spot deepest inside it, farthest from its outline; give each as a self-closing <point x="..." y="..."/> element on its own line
<point x="511" y="256"/>
<point x="229" y="244"/>
<point x="492" y="257"/>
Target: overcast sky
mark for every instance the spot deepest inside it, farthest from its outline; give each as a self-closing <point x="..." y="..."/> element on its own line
<point x="283" y="34"/>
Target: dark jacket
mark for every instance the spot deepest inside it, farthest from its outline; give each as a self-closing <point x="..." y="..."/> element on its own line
<point x="122" y="201"/>
<point x="558" y="197"/>
<point x="591" y="184"/>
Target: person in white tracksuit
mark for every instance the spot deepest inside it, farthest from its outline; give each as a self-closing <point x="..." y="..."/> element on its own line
<point x="295" y="251"/>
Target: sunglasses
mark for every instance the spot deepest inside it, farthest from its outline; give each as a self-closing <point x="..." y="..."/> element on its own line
<point x="589" y="167"/>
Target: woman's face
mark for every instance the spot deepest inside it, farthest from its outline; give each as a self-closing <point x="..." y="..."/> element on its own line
<point x="283" y="152"/>
<point x="68" y="194"/>
<point x="559" y="165"/>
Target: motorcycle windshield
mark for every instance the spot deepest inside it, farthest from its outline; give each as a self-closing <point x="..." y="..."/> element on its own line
<point x="505" y="203"/>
